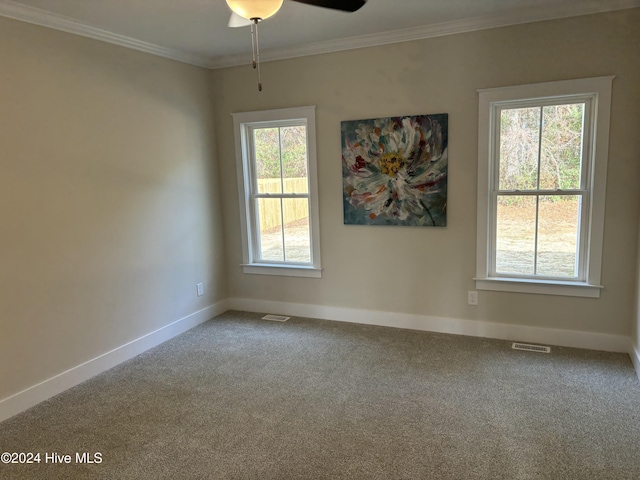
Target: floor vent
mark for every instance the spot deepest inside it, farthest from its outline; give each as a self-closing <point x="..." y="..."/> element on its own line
<point x="276" y="318"/>
<point x="531" y="348"/>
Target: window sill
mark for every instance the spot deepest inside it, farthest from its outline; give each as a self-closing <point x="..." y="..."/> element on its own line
<point x="543" y="287"/>
<point x="282" y="270"/>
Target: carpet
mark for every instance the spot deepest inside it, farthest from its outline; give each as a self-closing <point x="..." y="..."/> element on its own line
<point x="243" y="398"/>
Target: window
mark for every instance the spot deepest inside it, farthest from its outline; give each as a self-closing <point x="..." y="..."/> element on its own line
<point x="275" y="151"/>
<point x="541" y="186"/>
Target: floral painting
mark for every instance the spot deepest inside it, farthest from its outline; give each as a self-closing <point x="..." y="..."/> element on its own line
<point x="394" y="171"/>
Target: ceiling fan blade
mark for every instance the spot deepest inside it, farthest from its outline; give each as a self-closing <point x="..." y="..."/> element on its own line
<point x="236" y="20"/>
<point x="344" y="5"/>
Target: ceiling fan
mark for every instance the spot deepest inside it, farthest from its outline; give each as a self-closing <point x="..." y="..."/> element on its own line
<point x="250" y="12"/>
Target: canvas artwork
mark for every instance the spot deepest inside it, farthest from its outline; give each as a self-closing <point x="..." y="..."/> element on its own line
<point x="394" y="170"/>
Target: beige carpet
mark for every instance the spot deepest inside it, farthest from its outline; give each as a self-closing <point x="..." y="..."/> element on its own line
<point x="243" y="398"/>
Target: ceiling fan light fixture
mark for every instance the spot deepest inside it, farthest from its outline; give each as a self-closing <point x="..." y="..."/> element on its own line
<point x="251" y="9"/>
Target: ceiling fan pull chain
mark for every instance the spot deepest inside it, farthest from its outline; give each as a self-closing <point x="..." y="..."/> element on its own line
<point x="253" y="42"/>
<point x="255" y="49"/>
<point x="258" y="58"/>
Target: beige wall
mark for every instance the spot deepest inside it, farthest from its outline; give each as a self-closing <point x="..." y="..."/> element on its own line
<point x="635" y="330"/>
<point x="109" y="209"/>
<point x="423" y="270"/>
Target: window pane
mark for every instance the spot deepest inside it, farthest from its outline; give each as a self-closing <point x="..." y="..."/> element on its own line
<point x="558" y="220"/>
<point x="515" y="234"/>
<point x="294" y="159"/>
<point x="561" y="150"/>
<point x="270" y="221"/>
<point x="267" y="151"/>
<point x="297" y="239"/>
<point x="519" y="140"/>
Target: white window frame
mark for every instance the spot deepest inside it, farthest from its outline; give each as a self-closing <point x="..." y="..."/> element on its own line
<point x="244" y="123"/>
<point x="596" y="92"/>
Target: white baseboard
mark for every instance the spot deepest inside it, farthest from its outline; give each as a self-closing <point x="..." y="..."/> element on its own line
<point x="35" y="394"/>
<point x="634" y="353"/>
<point x="475" y="328"/>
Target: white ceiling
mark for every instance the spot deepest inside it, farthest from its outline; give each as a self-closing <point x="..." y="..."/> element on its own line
<point x="195" y="31"/>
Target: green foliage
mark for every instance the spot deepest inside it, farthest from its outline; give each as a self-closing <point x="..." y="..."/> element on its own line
<point x="271" y="144"/>
<point x="555" y="151"/>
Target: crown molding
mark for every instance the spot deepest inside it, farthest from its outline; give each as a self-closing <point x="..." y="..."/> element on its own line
<point x="37" y="16"/>
<point x="430" y="31"/>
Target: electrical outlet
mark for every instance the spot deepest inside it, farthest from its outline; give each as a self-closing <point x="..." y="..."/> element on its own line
<point x="472" y="298"/>
<point x="200" y="288"/>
